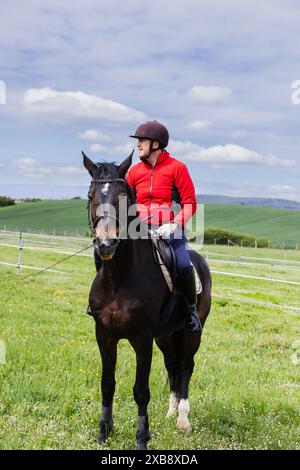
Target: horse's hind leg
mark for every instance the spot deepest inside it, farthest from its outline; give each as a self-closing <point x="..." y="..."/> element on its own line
<point x="108" y="350"/>
<point x="166" y="345"/>
<point x="186" y="367"/>
<point x="143" y="349"/>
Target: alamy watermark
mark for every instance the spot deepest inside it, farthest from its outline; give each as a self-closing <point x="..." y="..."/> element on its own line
<point x="2" y="92"/>
<point x="296" y="95"/>
<point x="135" y="221"/>
<point x="2" y="352"/>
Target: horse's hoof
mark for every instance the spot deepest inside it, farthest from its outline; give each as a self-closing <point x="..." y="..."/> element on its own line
<point x="183" y="425"/>
<point x="105" y="430"/>
<point x="141" y="446"/>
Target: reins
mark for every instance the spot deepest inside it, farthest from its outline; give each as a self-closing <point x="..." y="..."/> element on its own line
<point x="58" y="262"/>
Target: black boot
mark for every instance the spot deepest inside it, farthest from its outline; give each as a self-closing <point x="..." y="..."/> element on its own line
<point x="189" y="290"/>
<point x="98" y="262"/>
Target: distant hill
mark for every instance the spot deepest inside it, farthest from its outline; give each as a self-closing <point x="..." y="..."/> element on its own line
<point x="282" y="226"/>
<point x="21" y="191"/>
<point x="249" y="201"/>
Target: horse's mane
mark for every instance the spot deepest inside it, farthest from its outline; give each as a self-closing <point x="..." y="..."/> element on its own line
<point x="106" y="170"/>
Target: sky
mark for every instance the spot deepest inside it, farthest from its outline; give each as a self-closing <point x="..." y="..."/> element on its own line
<point x="223" y="77"/>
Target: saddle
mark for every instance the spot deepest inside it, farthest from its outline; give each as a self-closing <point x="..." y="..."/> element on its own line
<point x="164" y="256"/>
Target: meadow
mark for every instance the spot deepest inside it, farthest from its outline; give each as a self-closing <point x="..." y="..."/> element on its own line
<point x="244" y="393"/>
<point x="282" y="226"/>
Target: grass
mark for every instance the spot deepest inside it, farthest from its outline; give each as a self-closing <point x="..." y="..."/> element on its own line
<point x="70" y="216"/>
<point x="244" y="392"/>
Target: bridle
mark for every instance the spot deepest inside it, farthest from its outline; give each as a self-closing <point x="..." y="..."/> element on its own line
<point x="93" y="224"/>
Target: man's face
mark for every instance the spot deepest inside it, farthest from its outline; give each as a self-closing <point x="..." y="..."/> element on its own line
<point x="143" y="146"/>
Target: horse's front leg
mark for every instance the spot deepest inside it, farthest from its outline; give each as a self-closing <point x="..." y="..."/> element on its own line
<point x="143" y="349"/>
<point x="108" y="350"/>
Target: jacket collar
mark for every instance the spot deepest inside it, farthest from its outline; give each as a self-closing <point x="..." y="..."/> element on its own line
<point x="162" y="157"/>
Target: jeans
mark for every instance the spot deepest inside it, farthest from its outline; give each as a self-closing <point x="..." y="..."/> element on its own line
<point x="180" y="247"/>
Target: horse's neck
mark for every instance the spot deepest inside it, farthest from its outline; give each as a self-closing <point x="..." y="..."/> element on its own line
<point x="129" y="256"/>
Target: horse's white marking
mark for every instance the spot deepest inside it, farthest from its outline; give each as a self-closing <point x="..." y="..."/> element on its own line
<point x="173" y="405"/>
<point x="105" y="189"/>
<point x="183" y="420"/>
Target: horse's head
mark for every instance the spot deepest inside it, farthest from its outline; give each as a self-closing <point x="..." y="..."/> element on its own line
<point x="108" y="194"/>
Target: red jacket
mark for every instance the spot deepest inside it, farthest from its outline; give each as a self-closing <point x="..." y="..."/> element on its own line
<point x="154" y="187"/>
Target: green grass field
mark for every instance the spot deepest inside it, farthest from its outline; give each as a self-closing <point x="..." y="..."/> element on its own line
<point x="244" y="392"/>
<point x="70" y="216"/>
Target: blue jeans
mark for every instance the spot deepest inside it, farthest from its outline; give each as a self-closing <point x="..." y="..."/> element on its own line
<point x="180" y="247"/>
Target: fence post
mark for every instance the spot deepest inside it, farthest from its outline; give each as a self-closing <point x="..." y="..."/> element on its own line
<point x="19" y="266"/>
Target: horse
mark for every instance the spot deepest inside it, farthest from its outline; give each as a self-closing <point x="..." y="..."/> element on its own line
<point x="127" y="298"/>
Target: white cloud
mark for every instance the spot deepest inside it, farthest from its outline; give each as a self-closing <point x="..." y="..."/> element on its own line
<point x="209" y="94"/>
<point x="247" y="188"/>
<point x="96" y="148"/>
<point x="93" y="134"/>
<point x="79" y="104"/>
<point x="31" y="167"/>
<point x="199" y="125"/>
<point x="240" y="134"/>
<point x="220" y="155"/>
<point x="118" y="150"/>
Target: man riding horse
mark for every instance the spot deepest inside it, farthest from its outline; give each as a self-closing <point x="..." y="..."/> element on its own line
<point x="155" y="180"/>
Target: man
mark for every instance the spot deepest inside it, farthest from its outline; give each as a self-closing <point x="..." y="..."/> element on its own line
<point x="155" y="180"/>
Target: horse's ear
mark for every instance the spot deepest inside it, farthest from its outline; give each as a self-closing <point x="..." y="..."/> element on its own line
<point x="124" y="166"/>
<point x="89" y="165"/>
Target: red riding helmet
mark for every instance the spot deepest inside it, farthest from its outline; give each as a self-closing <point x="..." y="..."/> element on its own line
<point x="152" y="130"/>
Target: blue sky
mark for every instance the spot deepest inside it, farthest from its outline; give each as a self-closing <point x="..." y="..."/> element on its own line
<point x="82" y="75"/>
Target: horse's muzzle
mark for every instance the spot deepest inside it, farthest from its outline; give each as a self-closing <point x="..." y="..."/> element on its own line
<point x="106" y="248"/>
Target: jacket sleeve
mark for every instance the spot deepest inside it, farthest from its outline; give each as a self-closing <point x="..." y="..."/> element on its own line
<point x="186" y="189"/>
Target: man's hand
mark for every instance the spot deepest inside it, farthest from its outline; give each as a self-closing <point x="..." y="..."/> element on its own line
<point x="166" y="230"/>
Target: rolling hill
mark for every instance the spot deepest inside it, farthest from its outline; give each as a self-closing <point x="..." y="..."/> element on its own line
<point x="70" y="216"/>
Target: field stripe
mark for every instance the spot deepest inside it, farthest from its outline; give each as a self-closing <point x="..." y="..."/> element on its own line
<point x="32" y="267"/>
<point x="258" y="302"/>
<point x="247" y="263"/>
<point x="256" y="277"/>
<point x="47" y="250"/>
<point x="240" y="257"/>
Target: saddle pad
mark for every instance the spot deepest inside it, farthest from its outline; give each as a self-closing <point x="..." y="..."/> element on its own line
<point x="168" y="279"/>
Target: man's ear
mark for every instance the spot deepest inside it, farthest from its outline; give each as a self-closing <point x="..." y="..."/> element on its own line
<point x="156" y="146"/>
<point x="89" y="165"/>
<point x="124" y="166"/>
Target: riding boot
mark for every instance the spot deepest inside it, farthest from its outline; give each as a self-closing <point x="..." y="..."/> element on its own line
<point x="97" y="260"/>
<point x="189" y="290"/>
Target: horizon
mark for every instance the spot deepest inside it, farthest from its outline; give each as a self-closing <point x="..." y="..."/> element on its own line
<point x="69" y="192"/>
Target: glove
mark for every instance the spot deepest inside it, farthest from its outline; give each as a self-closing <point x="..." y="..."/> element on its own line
<point x="166" y="230"/>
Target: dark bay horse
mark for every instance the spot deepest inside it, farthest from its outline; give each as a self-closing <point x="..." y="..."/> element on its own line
<point x="127" y="297"/>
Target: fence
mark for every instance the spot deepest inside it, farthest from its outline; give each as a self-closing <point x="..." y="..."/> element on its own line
<point x="60" y="245"/>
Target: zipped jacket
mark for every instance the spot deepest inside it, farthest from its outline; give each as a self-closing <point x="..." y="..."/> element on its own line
<point x="155" y="188"/>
